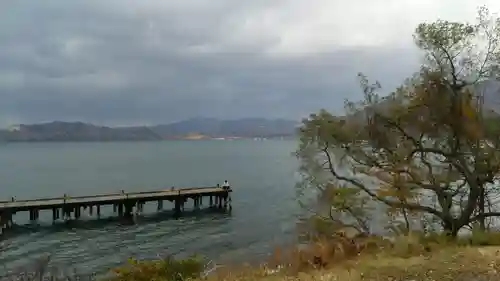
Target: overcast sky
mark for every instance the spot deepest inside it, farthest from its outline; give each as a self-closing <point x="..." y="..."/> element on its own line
<point x="117" y="62"/>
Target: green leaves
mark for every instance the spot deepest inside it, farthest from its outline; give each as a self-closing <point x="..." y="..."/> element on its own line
<point x="463" y="53"/>
<point x="443" y="35"/>
<point x="168" y="269"/>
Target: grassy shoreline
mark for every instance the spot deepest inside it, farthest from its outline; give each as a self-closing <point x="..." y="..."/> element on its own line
<point x="454" y="263"/>
<point x="410" y="257"/>
<point x="364" y="258"/>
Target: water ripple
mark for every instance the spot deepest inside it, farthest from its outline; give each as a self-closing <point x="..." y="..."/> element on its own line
<point x="263" y="201"/>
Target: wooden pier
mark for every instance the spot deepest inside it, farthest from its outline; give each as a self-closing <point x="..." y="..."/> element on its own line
<point x="125" y="204"/>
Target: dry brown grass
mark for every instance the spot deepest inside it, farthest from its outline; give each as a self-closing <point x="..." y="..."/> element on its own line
<point x="371" y="258"/>
<point x="451" y="263"/>
<point x="323" y="254"/>
<point x="413" y="257"/>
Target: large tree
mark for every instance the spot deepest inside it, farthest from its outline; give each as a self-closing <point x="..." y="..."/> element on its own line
<point x="428" y="149"/>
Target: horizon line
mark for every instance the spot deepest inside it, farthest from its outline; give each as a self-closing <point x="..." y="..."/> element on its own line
<point x="144" y="125"/>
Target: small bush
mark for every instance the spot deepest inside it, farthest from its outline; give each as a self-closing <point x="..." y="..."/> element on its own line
<point x="168" y="269"/>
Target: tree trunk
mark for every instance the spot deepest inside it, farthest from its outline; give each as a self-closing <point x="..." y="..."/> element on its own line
<point x="407" y="222"/>
<point x="481" y="206"/>
<point x="450" y="228"/>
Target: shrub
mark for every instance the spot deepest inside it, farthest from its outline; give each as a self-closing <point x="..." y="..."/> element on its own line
<point x="168" y="269"/>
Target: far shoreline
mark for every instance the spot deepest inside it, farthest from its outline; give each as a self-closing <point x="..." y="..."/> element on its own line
<point x="145" y="140"/>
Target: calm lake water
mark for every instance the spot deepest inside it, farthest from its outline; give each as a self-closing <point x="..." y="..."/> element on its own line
<point x="262" y="174"/>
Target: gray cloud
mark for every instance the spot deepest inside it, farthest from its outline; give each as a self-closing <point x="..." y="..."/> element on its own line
<point x="132" y="62"/>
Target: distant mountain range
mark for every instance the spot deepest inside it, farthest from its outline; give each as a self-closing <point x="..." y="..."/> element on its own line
<point x="214" y="128"/>
<point x="196" y="128"/>
<point x="75" y="131"/>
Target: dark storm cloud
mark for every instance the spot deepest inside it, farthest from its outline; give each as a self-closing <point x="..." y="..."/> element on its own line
<point x="121" y="62"/>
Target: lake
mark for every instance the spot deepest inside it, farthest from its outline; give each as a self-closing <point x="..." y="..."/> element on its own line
<point x="261" y="173"/>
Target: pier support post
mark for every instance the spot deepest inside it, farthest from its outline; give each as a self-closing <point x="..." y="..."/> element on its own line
<point x="91" y="210"/>
<point x="65" y="213"/>
<point x="34" y="215"/>
<point x="98" y="211"/>
<point x="129" y="209"/>
<point x="10" y="221"/>
<point x="3" y="223"/>
<point x="139" y="207"/>
<point x="160" y="205"/>
<point x="198" y="202"/>
<point x="120" y="209"/>
<point x="77" y="212"/>
<point x="177" y="207"/>
<point x="6" y="220"/>
<point x="211" y="201"/>
<point x="54" y="215"/>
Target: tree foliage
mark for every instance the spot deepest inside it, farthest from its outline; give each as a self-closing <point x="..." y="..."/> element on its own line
<point x="430" y="149"/>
